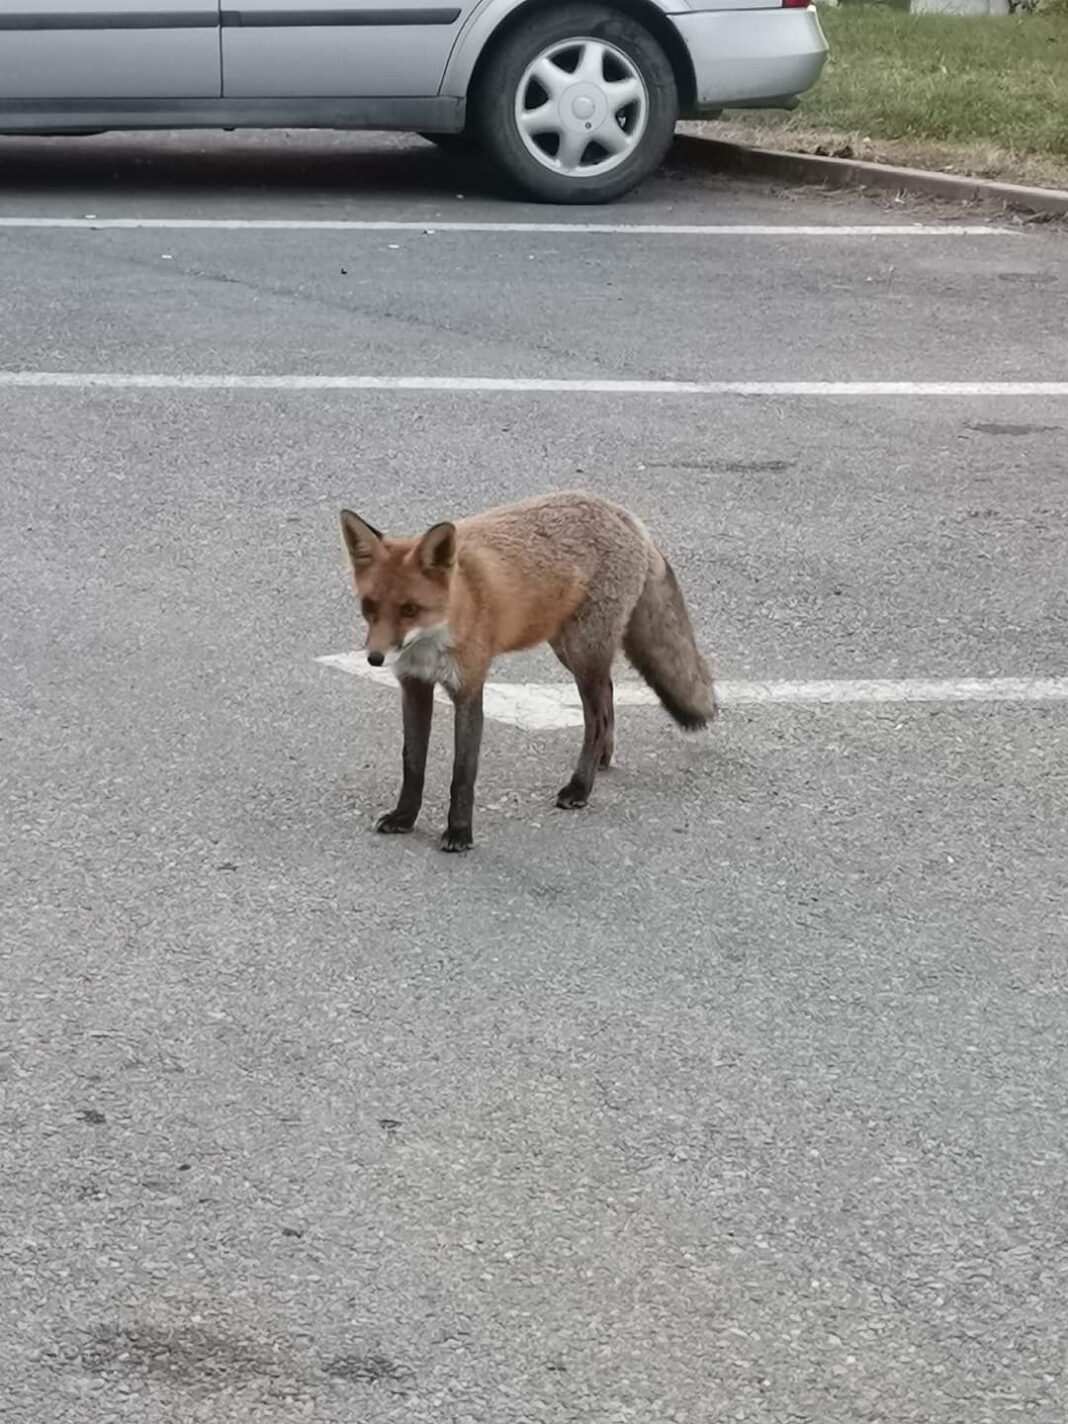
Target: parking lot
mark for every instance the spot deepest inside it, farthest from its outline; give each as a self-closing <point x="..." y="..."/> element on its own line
<point x="738" y="1095"/>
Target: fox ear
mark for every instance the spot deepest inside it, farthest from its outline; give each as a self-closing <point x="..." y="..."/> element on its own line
<point x="362" y="540"/>
<point x="437" y="548"/>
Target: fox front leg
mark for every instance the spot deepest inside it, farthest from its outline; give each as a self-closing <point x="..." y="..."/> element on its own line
<point x="458" y="834"/>
<point x="417" y="702"/>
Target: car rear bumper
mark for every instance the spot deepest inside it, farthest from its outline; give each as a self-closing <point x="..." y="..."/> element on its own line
<point x="745" y="57"/>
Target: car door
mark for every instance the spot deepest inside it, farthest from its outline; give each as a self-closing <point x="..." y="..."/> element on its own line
<point x="109" y="49"/>
<point x="337" y="48"/>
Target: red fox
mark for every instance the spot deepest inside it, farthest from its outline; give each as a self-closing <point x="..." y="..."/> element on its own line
<point x="569" y="570"/>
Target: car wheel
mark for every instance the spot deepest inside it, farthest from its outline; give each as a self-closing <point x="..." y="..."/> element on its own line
<point x="577" y="104"/>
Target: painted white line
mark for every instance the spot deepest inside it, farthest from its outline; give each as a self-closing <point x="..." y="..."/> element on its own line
<point x="541" y="706"/>
<point x="482" y="385"/>
<point x="532" y="705"/>
<point x="431" y="228"/>
<point x="960" y="689"/>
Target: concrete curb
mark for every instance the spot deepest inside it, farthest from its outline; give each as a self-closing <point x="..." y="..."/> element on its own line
<point x="854" y="173"/>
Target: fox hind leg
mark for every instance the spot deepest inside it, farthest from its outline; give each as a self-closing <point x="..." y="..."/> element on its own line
<point x="608" y="744"/>
<point x="593" y="676"/>
<point x="596" y="694"/>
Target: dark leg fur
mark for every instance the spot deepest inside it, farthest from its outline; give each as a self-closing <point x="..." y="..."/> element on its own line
<point x="458" y="834"/>
<point x="608" y="746"/>
<point x="596" y="694"/>
<point x="417" y="704"/>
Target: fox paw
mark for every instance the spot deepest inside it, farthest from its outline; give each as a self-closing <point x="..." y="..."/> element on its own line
<point x="394" y="824"/>
<point x="457" y="839"/>
<point x="572" y="796"/>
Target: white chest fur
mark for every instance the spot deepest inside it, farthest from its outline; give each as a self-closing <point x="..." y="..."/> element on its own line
<point x="427" y="655"/>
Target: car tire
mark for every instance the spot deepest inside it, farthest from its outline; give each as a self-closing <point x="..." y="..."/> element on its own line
<point x="576" y="72"/>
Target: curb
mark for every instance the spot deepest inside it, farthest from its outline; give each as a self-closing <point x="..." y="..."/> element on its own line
<point x="855" y="173"/>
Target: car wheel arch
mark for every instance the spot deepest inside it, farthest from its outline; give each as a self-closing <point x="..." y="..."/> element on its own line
<point x="492" y="22"/>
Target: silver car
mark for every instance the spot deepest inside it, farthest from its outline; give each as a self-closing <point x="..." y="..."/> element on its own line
<point x="575" y="101"/>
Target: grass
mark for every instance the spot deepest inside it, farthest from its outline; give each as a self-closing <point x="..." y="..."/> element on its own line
<point x="969" y="95"/>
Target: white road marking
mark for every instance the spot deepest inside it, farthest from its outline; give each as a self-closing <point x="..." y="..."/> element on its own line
<point x="484" y="385"/>
<point x="431" y="228"/>
<point x="542" y="706"/>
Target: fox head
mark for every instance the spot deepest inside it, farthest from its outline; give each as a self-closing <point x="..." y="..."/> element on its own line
<point x="403" y="584"/>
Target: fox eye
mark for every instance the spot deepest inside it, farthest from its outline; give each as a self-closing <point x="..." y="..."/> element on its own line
<point x="409" y="610"/>
<point x="369" y="607"/>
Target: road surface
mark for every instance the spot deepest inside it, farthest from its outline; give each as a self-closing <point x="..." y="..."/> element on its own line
<point x="741" y="1095"/>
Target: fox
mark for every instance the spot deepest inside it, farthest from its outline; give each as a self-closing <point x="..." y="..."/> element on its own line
<point x="571" y="570"/>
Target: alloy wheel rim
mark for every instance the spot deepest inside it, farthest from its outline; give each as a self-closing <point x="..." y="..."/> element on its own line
<point x="581" y="107"/>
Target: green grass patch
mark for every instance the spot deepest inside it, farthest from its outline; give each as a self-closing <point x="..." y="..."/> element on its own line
<point x="995" y="88"/>
<point x="947" y="78"/>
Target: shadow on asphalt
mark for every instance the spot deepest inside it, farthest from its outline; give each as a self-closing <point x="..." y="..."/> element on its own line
<point x="209" y="164"/>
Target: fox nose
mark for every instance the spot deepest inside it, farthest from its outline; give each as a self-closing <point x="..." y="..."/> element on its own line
<point x="376" y="659"/>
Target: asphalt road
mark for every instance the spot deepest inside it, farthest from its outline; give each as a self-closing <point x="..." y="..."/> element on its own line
<point x="741" y="1095"/>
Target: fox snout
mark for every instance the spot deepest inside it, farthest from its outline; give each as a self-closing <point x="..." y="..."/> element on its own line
<point x="381" y="642"/>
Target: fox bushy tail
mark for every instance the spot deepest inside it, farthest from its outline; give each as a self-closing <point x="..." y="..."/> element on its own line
<point x="659" y="642"/>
